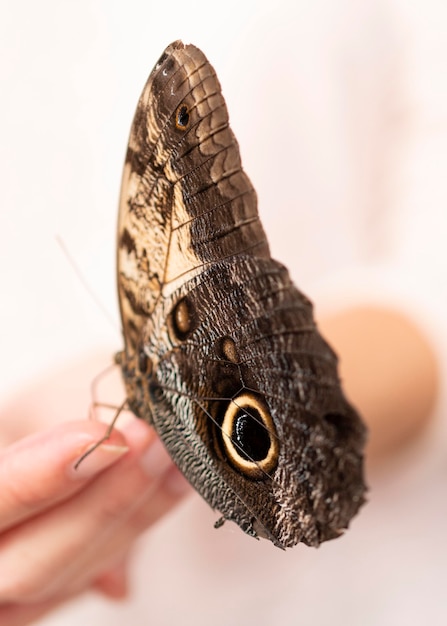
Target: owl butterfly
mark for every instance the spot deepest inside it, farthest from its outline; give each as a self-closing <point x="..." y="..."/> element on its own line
<point x="221" y="351"/>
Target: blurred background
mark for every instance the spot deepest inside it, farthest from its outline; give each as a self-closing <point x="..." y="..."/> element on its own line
<point x="340" y="109"/>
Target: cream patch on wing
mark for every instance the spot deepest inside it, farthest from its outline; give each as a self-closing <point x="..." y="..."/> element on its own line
<point x="181" y="262"/>
<point x="142" y="239"/>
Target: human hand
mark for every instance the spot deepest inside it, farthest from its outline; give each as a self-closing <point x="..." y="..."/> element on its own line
<point x="390" y="372"/>
<point x="63" y="531"/>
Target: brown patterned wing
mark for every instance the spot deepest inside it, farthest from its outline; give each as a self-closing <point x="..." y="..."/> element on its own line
<point x="221" y="351"/>
<point x="185" y="200"/>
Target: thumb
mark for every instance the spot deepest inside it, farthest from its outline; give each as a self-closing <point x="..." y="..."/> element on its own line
<point x="37" y="471"/>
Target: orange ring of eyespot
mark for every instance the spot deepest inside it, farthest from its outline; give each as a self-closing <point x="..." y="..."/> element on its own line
<point x="252" y="469"/>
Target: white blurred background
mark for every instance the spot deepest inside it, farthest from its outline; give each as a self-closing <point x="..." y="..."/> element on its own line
<point x="340" y="108"/>
<point x="70" y="75"/>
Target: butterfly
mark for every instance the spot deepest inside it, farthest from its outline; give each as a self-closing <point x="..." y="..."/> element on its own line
<point x="221" y="351"/>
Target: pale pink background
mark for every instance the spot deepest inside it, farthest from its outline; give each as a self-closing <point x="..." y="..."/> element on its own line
<point x="340" y="108"/>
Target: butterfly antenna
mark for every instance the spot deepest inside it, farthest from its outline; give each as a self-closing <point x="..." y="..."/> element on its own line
<point x="93" y="391"/>
<point x="107" y="434"/>
<point x="86" y="286"/>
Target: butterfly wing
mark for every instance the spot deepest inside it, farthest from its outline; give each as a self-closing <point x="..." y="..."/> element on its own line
<point x="221" y="350"/>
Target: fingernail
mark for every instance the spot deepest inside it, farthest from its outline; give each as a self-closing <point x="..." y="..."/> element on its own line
<point x="96" y="461"/>
<point x="156" y="460"/>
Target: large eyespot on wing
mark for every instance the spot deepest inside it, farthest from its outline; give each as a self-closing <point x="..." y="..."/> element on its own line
<point x="249" y="439"/>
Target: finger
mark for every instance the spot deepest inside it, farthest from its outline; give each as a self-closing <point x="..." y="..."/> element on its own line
<point x="132" y="521"/>
<point x="37" y="472"/>
<point x="43" y="556"/>
<point x="22" y="615"/>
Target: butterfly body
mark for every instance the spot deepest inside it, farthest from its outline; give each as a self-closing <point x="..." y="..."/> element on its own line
<point x="221" y="353"/>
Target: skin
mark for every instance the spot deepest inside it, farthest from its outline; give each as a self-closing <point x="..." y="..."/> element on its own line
<point x="50" y="512"/>
<point x="64" y="531"/>
<point x="389" y="372"/>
